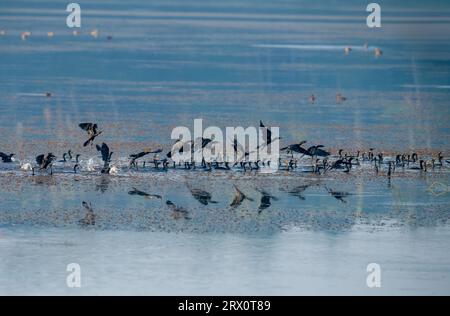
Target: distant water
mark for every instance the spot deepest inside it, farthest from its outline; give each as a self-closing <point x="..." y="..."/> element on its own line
<point x="231" y="63"/>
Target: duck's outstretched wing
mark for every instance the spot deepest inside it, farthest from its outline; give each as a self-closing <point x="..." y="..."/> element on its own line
<point x="91" y="128"/>
<point x="40" y="159"/>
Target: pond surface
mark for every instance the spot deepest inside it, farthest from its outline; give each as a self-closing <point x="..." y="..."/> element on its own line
<point x="230" y="63"/>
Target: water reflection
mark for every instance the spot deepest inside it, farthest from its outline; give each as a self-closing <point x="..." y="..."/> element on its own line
<point x="103" y="183"/>
<point x="245" y="204"/>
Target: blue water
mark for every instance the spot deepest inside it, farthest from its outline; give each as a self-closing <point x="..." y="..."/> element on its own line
<point x="230" y="63"/>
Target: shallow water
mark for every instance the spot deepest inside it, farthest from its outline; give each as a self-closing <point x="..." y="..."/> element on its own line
<point x="231" y="64"/>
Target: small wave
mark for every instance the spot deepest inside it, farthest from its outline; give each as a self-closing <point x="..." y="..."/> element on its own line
<point x="429" y="86"/>
<point x="313" y="47"/>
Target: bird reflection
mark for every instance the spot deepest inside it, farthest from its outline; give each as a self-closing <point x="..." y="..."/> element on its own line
<point x="177" y="212"/>
<point x="103" y="185"/>
<point x="89" y="218"/>
<point x="202" y="196"/>
<point x="338" y="195"/>
<point x="239" y="197"/>
<point x="144" y="194"/>
<point x="298" y="191"/>
<point x="265" y="200"/>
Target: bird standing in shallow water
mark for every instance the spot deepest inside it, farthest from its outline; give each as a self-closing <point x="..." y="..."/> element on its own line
<point x="91" y="129"/>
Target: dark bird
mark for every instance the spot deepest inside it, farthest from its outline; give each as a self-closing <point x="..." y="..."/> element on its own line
<point x="106" y="157"/>
<point x="134" y="157"/>
<point x="104" y="149"/>
<point x="421" y="166"/>
<point x="144" y="194"/>
<point x="239" y="151"/>
<point x="45" y="162"/>
<point x="202" y="196"/>
<point x="239" y="197"/>
<point x="177" y="146"/>
<point x="265" y="200"/>
<point x="89" y="218"/>
<point x="268" y="134"/>
<point x="338" y="195"/>
<point x="341" y="164"/>
<point x="92" y="132"/>
<point x="6" y="158"/>
<point x="296" y="148"/>
<point x="64" y="158"/>
<point x="177" y="212"/>
<point x="206" y="141"/>
<point x="314" y="151"/>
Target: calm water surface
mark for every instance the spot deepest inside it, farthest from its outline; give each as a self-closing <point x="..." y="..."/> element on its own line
<point x="230" y="64"/>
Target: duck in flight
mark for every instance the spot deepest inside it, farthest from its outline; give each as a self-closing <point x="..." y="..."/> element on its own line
<point x="268" y="134"/>
<point x="91" y="129"/>
<point x="297" y="148"/>
<point x="316" y="151"/>
<point x="178" y="145"/>
<point x="144" y="194"/>
<point x="6" y="158"/>
<point x="45" y="162"/>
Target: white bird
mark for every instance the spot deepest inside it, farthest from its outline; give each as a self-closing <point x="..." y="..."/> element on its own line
<point x="89" y="164"/>
<point x="26" y="167"/>
<point x="113" y="170"/>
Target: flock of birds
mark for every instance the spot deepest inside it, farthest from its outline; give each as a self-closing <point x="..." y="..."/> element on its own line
<point x="321" y="160"/>
<point x="27" y="34"/>
<point x="313" y="159"/>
